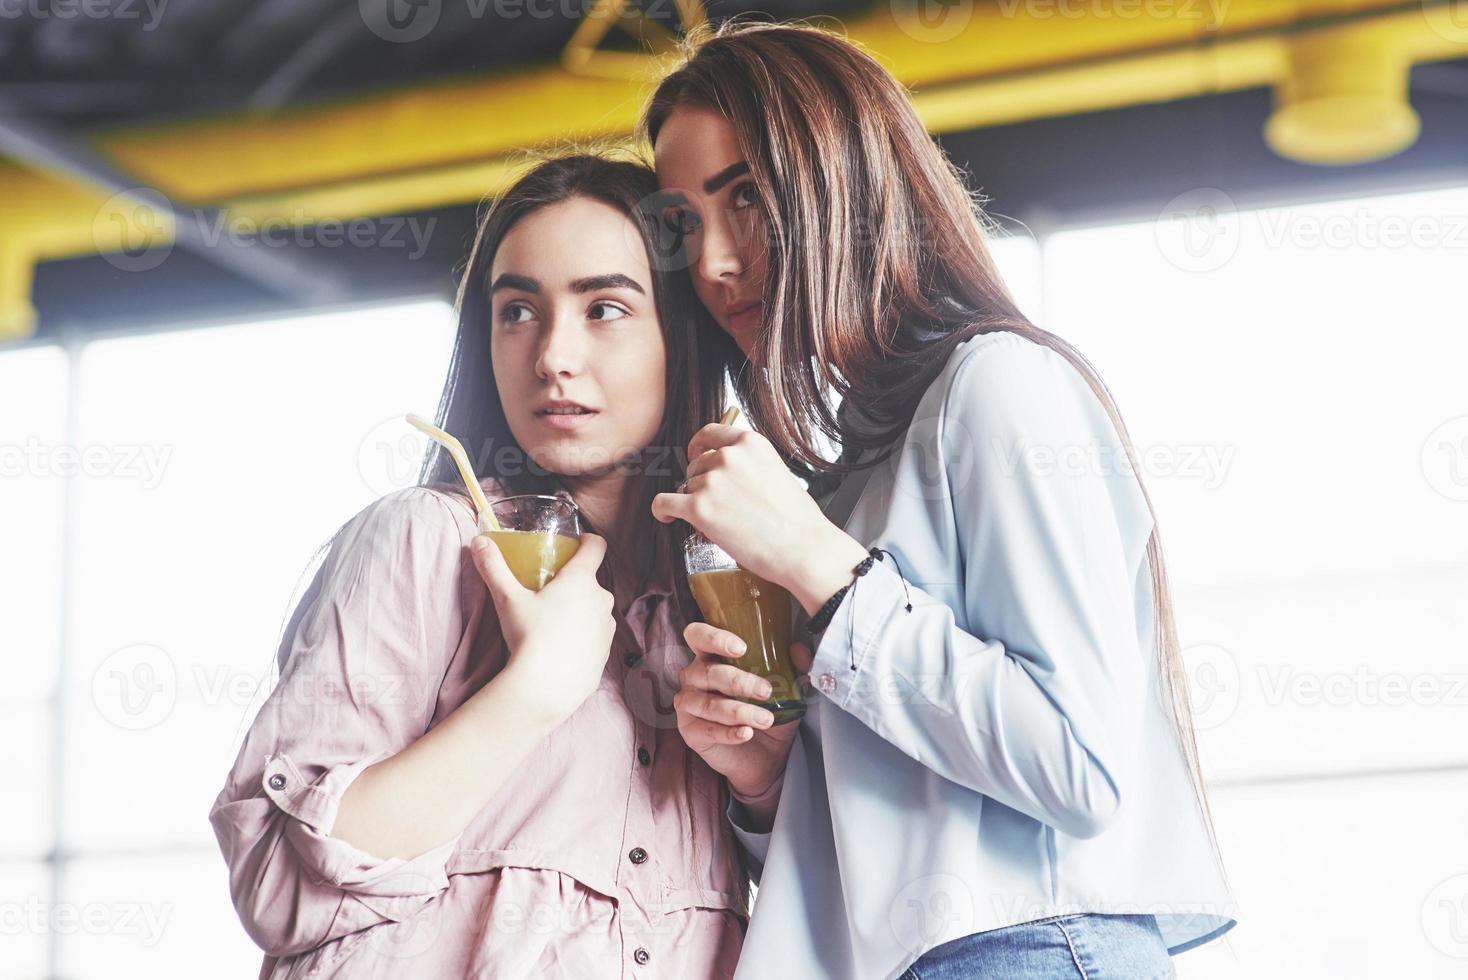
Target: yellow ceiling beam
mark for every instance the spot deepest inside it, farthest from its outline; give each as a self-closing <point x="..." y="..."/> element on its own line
<point x="431" y="128"/>
<point x="973" y="65"/>
<point x="17" y="316"/>
<point x="444" y="129"/>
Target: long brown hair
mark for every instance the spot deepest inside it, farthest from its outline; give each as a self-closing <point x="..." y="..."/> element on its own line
<point x="877" y="265"/>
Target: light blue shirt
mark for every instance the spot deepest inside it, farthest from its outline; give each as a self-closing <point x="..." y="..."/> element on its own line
<point x="1002" y="752"/>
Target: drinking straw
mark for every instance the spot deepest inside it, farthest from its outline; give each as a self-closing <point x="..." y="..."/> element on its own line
<point x="486" y="516"/>
<point x="730" y="416"/>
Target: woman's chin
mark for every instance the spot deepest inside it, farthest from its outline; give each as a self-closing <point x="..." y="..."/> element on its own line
<point x="747" y="342"/>
<point x="570" y="457"/>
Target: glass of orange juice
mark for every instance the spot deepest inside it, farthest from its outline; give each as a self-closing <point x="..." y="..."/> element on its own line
<point x="538" y="534"/>
<point x="754" y="610"/>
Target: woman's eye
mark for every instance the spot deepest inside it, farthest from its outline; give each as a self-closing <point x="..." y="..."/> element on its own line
<point x="515" y="313"/>
<point x="745" y="196"/>
<point x="609" y="311"/>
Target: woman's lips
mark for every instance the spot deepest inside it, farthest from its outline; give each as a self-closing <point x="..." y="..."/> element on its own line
<point x="565" y="423"/>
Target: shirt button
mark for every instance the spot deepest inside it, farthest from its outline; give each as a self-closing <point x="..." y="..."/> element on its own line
<point x="641" y="956"/>
<point x="632" y="659"/>
<point x="637" y="855"/>
<point x="644" y="756"/>
<point x="277" y="781"/>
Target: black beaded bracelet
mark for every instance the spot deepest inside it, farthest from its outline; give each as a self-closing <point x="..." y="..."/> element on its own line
<point x="823" y="616"/>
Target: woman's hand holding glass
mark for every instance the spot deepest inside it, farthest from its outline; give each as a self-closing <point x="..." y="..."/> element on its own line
<point x="559" y="637"/>
<point x="738" y="740"/>
<point x="740" y="495"/>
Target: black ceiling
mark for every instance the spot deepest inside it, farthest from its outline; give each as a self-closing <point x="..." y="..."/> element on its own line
<point x="152" y="59"/>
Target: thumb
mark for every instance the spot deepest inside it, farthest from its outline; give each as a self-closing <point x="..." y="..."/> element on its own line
<point x="492" y="568"/>
<point x="802" y="657"/>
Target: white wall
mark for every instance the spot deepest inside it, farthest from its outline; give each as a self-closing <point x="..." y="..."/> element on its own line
<point x="1297" y="375"/>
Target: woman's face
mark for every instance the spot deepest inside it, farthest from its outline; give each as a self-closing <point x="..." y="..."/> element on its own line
<point x="709" y="194"/>
<point x="578" y="350"/>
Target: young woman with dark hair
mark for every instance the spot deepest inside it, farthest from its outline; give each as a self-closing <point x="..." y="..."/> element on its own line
<point x="997" y="774"/>
<point x="454" y="781"/>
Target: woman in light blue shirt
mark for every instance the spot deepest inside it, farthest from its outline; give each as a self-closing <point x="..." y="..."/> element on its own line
<point x="996" y="773"/>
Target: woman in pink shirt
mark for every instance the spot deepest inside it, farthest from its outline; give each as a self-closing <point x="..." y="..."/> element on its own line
<point x="456" y="776"/>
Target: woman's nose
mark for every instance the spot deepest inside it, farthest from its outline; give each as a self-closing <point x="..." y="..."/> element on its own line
<point x="721" y="253"/>
<point x="562" y="352"/>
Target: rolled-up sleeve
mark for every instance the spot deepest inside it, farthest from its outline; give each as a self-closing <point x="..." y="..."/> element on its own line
<point x="364" y="657"/>
<point x="756" y="843"/>
<point x="1037" y="699"/>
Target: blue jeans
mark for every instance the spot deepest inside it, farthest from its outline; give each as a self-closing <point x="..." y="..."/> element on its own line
<point x="1085" y="946"/>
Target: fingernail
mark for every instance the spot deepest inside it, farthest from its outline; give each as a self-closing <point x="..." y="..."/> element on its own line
<point x="746" y="733"/>
<point x="763" y="691"/>
<point x="737" y="647"/>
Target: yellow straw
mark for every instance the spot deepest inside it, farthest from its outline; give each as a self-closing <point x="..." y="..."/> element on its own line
<point x="730" y="416"/>
<point x="486" y="516"/>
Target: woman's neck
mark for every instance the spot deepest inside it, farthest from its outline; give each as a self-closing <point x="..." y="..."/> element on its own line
<point x="604" y="500"/>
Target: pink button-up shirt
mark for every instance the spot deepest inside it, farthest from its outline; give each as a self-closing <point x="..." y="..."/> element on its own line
<point x="605" y="854"/>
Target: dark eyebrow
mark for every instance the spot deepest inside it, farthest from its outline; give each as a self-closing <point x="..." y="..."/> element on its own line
<point x="508" y="280"/>
<point x="723" y="177"/>
<point x="609" y="280"/>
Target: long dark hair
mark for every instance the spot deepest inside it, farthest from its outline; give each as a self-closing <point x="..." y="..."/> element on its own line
<point x="877" y="265"/>
<point x="470" y="407"/>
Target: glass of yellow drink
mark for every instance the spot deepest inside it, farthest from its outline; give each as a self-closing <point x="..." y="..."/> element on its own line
<point x="757" y="612"/>
<point x="538" y="534"/>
